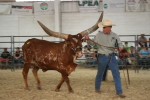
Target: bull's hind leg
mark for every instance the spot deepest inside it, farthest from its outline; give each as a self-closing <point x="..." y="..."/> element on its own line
<point x="25" y="74"/>
<point x="35" y="70"/>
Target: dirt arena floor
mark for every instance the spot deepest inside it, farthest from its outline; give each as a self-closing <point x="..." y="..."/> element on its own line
<point x="82" y="81"/>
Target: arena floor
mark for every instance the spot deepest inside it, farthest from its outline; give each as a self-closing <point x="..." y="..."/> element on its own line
<point x="82" y="81"/>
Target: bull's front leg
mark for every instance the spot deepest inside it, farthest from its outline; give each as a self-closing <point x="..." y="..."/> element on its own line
<point x="59" y="85"/>
<point x="66" y="79"/>
<point x="68" y="84"/>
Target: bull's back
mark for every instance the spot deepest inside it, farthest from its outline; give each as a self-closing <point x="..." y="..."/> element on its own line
<point x="41" y="52"/>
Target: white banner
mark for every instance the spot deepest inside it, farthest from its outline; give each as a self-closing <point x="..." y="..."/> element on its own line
<point x="114" y="5"/>
<point x="43" y="7"/>
<point x="90" y="5"/>
<point x="137" y="5"/>
<point x="22" y="8"/>
<point x="5" y="8"/>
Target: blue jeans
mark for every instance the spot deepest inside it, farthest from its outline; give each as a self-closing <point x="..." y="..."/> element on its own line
<point x="111" y="61"/>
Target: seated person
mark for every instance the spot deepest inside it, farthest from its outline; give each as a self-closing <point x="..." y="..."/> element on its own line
<point x="132" y="51"/>
<point x="87" y="50"/>
<point x="144" y="55"/>
<point x="93" y="57"/>
<point x="5" y="56"/>
<point x="18" y="55"/>
<point x="133" y="55"/>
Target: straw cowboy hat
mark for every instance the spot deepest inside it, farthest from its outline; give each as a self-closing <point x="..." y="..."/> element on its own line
<point x="105" y="23"/>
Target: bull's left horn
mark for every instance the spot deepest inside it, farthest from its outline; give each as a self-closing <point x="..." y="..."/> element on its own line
<point x="52" y="33"/>
<point x="93" y="28"/>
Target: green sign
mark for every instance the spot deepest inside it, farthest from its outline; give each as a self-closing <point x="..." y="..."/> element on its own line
<point x="105" y="6"/>
<point x="44" y="6"/>
<point x="88" y="3"/>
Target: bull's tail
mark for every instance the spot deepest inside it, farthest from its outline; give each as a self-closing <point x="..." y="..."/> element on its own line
<point x="26" y="45"/>
<point x="26" y="48"/>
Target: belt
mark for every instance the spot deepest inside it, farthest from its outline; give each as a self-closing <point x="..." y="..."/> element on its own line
<point x="110" y="54"/>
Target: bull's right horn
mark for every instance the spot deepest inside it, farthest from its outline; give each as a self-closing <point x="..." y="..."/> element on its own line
<point x="93" y="28"/>
<point x="52" y="33"/>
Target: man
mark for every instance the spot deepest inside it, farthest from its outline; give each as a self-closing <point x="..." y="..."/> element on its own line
<point x="106" y="56"/>
<point x="18" y="55"/>
<point x="5" y="56"/>
<point x="142" y="39"/>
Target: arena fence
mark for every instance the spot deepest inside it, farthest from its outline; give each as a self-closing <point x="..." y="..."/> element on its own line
<point x="12" y="42"/>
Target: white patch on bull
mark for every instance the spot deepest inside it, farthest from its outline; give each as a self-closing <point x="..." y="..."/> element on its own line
<point x="71" y="68"/>
<point x="54" y="58"/>
<point x="75" y="40"/>
<point x="77" y="55"/>
<point x="74" y="59"/>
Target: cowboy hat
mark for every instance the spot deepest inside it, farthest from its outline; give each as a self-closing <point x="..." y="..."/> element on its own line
<point x="105" y="23"/>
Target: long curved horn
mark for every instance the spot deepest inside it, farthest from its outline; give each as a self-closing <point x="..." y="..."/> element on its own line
<point x="52" y="33"/>
<point x="93" y="28"/>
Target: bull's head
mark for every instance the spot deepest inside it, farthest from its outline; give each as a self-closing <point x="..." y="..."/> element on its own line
<point x="75" y="41"/>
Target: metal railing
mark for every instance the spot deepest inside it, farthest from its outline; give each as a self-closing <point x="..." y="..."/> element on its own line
<point x="11" y="42"/>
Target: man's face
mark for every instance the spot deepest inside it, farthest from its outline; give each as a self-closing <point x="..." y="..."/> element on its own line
<point x="5" y="49"/>
<point x="107" y="29"/>
<point x="17" y="49"/>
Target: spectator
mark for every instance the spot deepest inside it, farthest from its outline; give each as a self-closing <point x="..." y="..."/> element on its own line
<point x="93" y="57"/>
<point x="126" y="47"/>
<point x="142" y="39"/>
<point x="132" y="55"/>
<point x="87" y="50"/>
<point x="144" y="55"/>
<point x="88" y="47"/>
<point x="5" y="56"/>
<point x="132" y="51"/>
<point x="18" y="55"/>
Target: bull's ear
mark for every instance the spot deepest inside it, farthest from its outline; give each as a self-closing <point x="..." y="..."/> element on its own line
<point x="52" y="33"/>
<point x="93" y="28"/>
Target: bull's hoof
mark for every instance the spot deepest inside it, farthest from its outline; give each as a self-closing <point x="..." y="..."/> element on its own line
<point x="57" y="90"/>
<point x="71" y="91"/>
<point x="27" y="89"/>
<point x="39" y="88"/>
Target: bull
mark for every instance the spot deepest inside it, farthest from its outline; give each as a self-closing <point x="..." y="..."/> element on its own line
<point x="45" y="55"/>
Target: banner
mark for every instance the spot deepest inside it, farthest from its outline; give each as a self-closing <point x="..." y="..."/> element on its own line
<point x="22" y="8"/>
<point x="89" y="5"/>
<point x="137" y="5"/>
<point x="43" y="7"/>
<point x="114" y="5"/>
<point x="5" y="8"/>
